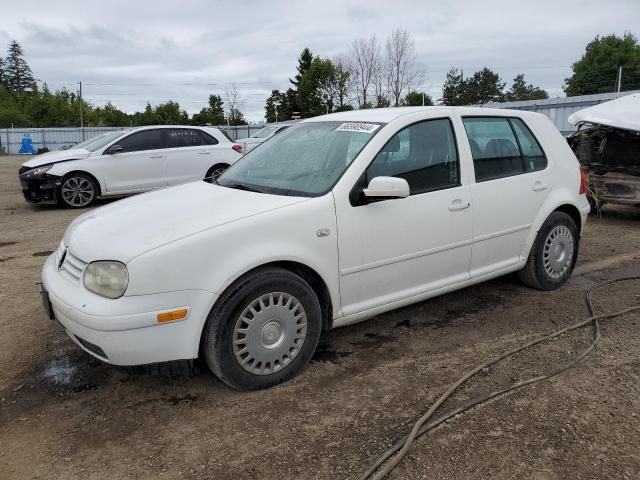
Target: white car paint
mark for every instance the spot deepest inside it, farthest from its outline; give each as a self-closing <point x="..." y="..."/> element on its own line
<point x="139" y="171"/>
<point x="184" y="246"/>
<point x="623" y="112"/>
<point x="252" y="142"/>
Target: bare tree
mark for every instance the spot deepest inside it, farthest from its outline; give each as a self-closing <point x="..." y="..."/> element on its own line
<point x="365" y="61"/>
<point x="234" y="103"/>
<point x="343" y="80"/>
<point x="401" y="66"/>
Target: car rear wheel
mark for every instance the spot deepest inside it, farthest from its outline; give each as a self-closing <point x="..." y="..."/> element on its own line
<point x="553" y="255"/>
<point x="262" y="331"/>
<point x="77" y="190"/>
<point x="215" y="171"/>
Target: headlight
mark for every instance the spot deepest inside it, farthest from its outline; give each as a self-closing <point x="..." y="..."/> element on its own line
<point x="107" y="279"/>
<point x="38" y="170"/>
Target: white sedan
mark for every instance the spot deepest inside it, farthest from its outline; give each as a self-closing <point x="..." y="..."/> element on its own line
<point x="338" y="219"/>
<point x="125" y="162"/>
<point x="262" y="135"/>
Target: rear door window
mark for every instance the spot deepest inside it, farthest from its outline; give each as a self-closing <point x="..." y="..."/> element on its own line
<point x="144" y="140"/>
<point x="534" y="157"/>
<point x="184" y="137"/>
<point x="494" y="148"/>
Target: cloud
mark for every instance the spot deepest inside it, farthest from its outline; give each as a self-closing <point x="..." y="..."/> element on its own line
<point x="134" y="52"/>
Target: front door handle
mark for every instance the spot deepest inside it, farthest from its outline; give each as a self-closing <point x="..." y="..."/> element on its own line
<point x="155" y="156"/>
<point x="539" y="186"/>
<point x="458" y="204"/>
<point x="204" y="153"/>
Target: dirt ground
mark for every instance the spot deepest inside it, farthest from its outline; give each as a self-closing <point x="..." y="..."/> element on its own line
<point x="65" y="415"/>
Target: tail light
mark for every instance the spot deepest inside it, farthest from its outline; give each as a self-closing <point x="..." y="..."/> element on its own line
<point x="583" y="182"/>
<point x="237" y="148"/>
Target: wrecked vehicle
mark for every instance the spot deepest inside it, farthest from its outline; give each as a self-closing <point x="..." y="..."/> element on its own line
<point x="607" y="145"/>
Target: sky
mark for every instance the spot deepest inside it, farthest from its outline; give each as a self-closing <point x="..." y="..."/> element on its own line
<point x="135" y="51"/>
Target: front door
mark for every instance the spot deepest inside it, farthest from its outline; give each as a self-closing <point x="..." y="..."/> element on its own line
<point x="138" y="167"/>
<point x="395" y="249"/>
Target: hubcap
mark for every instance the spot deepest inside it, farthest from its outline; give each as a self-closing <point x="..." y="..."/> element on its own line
<point x="216" y="173"/>
<point x="558" y="251"/>
<point x="269" y="333"/>
<point x="77" y="191"/>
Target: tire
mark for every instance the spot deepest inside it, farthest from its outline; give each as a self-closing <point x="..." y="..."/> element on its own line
<point x="215" y="171"/>
<point x="77" y="190"/>
<point x="553" y="255"/>
<point x="262" y="315"/>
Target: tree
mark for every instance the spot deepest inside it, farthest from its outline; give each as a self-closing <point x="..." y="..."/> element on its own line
<point x="304" y="63"/>
<point x="17" y="72"/>
<point x="365" y="62"/>
<point x="342" y="80"/>
<point x="401" y="68"/>
<point x="276" y="107"/>
<point x="520" y="90"/>
<point x="453" y="88"/>
<point x="417" y="99"/>
<point x="110" y="116"/>
<point x="318" y="87"/>
<point x="597" y="69"/>
<point x="213" y="114"/>
<point x="234" y="103"/>
<point x="482" y="87"/>
<point x="3" y="82"/>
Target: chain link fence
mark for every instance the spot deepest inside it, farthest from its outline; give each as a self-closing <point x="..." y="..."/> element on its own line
<point x="44" y="139"/>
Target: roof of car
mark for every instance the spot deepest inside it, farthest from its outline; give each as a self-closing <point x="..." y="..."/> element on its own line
<point x="386" y="115"/>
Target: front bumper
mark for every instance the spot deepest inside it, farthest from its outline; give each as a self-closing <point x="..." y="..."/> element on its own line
<point x="125" y="331"/>
<point x="40" y="188"/>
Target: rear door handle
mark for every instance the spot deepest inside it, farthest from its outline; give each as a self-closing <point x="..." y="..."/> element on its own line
<point x="539" y="186"/>
<point x="458" y="204"/>
<point x="204" y="153"/>
<point x="156" y="156"/>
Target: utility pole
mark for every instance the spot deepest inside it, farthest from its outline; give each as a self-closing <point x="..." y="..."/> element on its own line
<point x="423" y="99"/>
<point x="619" y="81"/>
<point x="81" y="120"/>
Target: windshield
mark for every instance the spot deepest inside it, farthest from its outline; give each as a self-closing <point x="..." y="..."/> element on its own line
<point x="99" y="141"/>
<point x="264" y="132"/>
<point x="305" y="160"/>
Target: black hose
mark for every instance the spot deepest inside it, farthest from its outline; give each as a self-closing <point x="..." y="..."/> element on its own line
<point x="422" y="426"/>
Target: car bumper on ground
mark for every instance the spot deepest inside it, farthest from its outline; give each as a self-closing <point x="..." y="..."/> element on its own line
<point x="126" y="331"/>
<point x="40" y="189"/>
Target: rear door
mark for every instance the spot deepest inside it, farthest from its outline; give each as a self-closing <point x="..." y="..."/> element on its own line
<point x="190" y="153"/>
<point x="139" y="166"/>
<point x="511" y="184"/>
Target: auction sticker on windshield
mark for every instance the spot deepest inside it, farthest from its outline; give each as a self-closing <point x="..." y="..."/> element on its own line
<point x="358" y="127"/>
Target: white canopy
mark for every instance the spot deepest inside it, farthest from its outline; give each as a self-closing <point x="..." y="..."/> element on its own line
<point x="623" y="112"/>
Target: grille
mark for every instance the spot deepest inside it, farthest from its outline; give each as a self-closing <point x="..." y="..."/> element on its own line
<point x="71" y="266"/>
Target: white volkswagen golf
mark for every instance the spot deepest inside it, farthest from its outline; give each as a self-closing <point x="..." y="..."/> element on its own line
<point x="125" y="162"/>
<point x="339" y="218"/>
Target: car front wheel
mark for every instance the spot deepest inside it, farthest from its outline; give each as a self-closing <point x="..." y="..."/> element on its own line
<point x="77" y="191"/>
<point x="553" y="255"/>
<point x="262" y="331"/>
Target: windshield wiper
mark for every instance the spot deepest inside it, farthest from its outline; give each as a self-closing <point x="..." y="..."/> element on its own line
<point x="241" y="186"/>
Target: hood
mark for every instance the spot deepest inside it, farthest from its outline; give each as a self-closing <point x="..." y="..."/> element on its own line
<point x="623" y="112"/>
<point x="127" y="228"/>
<point x="57" y="156"/>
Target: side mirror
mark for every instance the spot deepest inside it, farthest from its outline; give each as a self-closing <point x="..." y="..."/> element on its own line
<point x="384" y="188"/>
<point x="114" y="149"/>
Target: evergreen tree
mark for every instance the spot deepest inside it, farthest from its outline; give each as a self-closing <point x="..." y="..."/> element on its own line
<point x="416" y="99"/>
<point x="17" y="73"/>
<point x="2" y="76"/>
<point x="304" y="64"/>
<point x="520" y="90"/>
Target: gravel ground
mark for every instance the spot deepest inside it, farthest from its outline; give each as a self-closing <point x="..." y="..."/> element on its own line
<point x="65" y="415"/>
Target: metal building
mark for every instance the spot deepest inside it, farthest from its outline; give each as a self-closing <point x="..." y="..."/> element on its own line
<point x="558" y="109"/>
